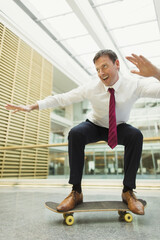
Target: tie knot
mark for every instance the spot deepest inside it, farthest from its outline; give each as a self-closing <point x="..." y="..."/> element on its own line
<point x="111" y="90"/>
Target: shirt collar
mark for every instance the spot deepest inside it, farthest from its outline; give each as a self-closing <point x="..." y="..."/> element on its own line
<point x="115" y="86"/>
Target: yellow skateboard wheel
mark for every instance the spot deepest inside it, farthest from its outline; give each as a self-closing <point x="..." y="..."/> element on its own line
<point x="128" y="217"/>
<point x="69" y="220"/>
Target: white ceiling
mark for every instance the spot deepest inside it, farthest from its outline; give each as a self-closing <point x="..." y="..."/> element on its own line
<point x="82" y="27"/>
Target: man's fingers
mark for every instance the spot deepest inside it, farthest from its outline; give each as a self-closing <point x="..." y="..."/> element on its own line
<point x="135" y="56"/>
<point x="145" y="67"/>
<point x="139" y="59"/>
<point x="132" y="60"/>
<point x="16" y="108"/>
<point x="10" y="106"/>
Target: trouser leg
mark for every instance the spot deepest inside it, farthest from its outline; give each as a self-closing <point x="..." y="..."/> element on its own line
<point x="79" y="136"/>
<point x="132" y="139"/>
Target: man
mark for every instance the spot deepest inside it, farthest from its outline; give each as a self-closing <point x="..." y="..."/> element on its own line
<point x="112" y="98"/>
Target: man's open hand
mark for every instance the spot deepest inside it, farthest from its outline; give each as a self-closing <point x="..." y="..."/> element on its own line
<point x="145" y="67"/>
<point x="17" y="108"/>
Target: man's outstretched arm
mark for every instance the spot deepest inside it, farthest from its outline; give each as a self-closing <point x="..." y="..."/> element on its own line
<point x="63" y="99"/>
<point x="145" y="67"/>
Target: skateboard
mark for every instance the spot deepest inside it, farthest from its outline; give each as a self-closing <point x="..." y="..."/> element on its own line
<point x="99" y="206"/>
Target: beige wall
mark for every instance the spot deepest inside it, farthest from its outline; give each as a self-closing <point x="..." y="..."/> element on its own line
<point x="25" y="76"/>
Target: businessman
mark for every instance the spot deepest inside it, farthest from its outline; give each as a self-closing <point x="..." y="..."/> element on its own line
<point x="112" y="97"/>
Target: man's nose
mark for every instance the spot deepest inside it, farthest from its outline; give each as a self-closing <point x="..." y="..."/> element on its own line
<point x="101" y="72"/>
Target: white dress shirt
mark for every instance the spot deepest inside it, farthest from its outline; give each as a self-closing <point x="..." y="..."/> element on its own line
<point x="127" y="91"/>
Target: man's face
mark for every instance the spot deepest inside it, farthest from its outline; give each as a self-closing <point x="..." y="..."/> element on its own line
<point x="107" y="70"/>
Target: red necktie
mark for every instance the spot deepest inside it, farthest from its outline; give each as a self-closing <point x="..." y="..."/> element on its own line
<point x="112" y="134"/>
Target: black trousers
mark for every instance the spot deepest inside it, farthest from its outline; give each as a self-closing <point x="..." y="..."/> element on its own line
<point x="87" y="132"/>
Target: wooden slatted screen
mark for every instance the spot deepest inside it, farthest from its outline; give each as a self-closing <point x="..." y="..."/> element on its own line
<point x="25" y="76"/>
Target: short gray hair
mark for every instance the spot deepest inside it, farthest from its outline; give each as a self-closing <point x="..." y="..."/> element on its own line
<point x="106" y="52"/>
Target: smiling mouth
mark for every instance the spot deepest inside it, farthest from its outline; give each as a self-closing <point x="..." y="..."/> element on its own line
<point x="105" y="78"/>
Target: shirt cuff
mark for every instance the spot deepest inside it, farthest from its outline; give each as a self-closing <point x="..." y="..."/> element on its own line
<point x="41" y="104"/>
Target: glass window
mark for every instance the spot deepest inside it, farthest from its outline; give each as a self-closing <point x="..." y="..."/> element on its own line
<point x="89" y="164"/>
<point x="60" y="111"/>
<point x="120" y="156"/>
<point x="99" y="163"/>
<point x="147" y="163"/>
<point x="57" y="163"/>
<point x="157" y="162"/>
<point x="110" y="165"/>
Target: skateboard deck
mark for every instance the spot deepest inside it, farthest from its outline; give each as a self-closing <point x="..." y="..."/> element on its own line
<point x="99" y="206"/>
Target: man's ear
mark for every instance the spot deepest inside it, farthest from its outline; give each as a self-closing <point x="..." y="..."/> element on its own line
<point x="117" y="63"/>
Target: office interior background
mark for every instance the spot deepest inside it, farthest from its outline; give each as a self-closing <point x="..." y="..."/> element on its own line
<point x="46" y="48"/>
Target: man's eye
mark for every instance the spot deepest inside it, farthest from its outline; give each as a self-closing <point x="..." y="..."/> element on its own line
<point x="105" y="66"/>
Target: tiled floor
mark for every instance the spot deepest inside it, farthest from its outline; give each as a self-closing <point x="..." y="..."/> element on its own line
<point x="23" y="216"/>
